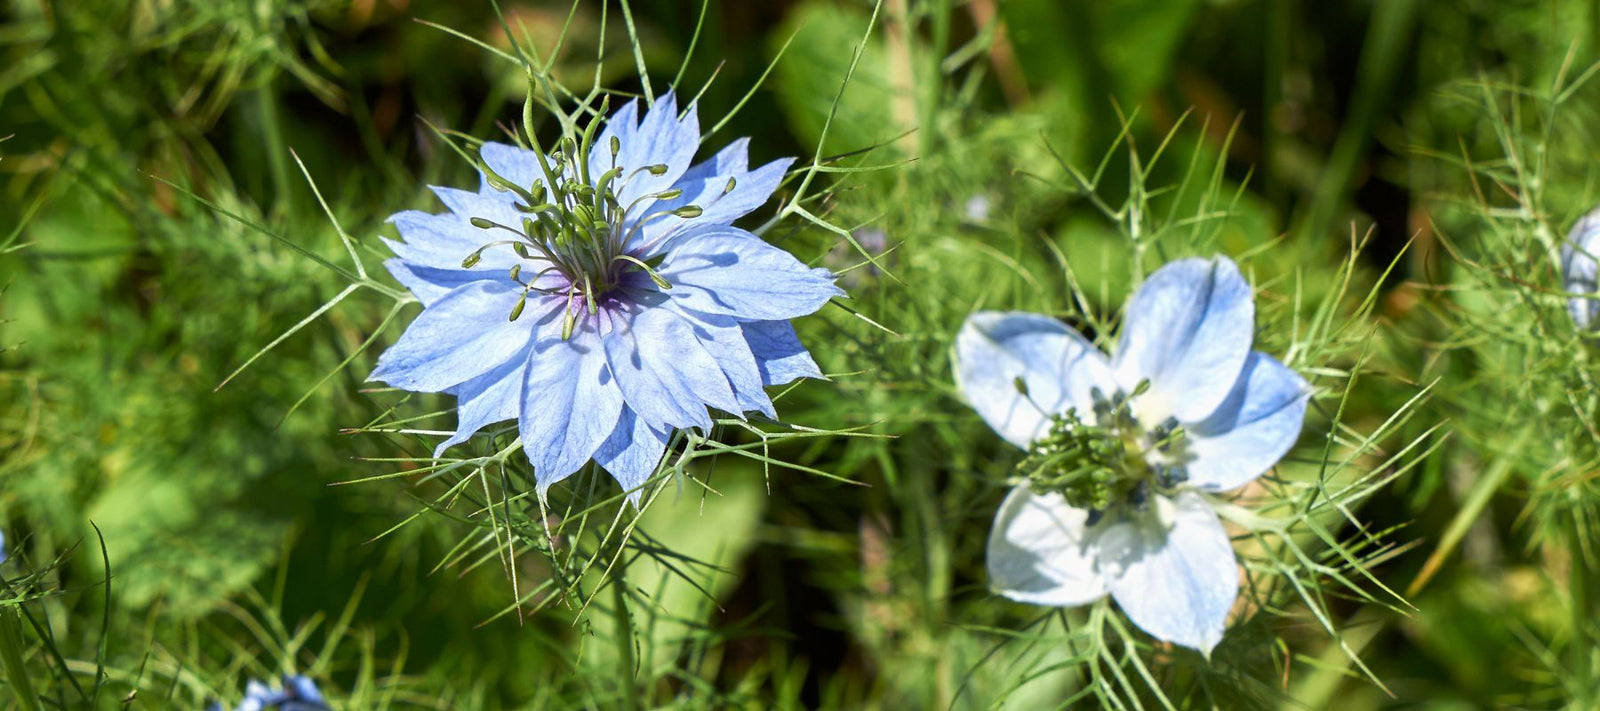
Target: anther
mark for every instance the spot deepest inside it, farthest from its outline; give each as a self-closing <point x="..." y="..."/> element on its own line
<point x="522" y="301"/>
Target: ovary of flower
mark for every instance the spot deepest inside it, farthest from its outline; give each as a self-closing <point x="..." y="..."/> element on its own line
<point x="1199" y="412"/>
<point x="600" y="295"/>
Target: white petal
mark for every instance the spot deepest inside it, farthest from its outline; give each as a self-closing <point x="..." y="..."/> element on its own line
<point x="1038" y="552"/>
<point x="1173" y="572"/>
<point x="1252" y="429"/>
<point x="1059" y="367"/>
<point x="1578" y="269"/>
<point x="1187" y="331"/>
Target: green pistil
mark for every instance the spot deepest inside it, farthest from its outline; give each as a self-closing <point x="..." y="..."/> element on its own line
<point x="1107" y="463"/>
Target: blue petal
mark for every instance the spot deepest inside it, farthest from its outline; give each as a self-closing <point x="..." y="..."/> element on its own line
<point x="495" y="396"/>
<point x="518" y="165"/>
<point x="622" y="125"/>
<point x="749" y="192"/>
<point x="258" y="691"/>
<point x="1578" y="270"/>
<point x="719" y="204"/>
<point x="725" y="270"/>
<point x="724" y="338"/>
<point x="1176" y="578"/>
<point x="302" y="688"/>
<point x="1040" y="552"/>
<point x="571" y="404"/>
<point x="461" y="336"/>
<point x="661" y="138"/>
<point x="778" y="352"/>
<point x="442" y="241"/>
<point x="496" y="207"/>
<point x="1188" y="331"/>
<point x="428" y="284"/>
<point x="733" y="159"/>
<point x="1252" y="429"/>
<point x="665" y="373"/>
<point x="1060" y="368"/>
<point x="631" y="454"/>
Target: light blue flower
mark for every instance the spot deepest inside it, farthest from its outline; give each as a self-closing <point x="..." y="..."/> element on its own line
<point x="608" y="310"/>
<point x="1578" y="271"/>
<point x="1125" y="452"/>
<point x="299" y="693"/>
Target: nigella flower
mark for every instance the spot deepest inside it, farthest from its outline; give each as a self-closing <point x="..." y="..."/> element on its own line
<point x="600" y="296"/>
<point x="1125" y="452"/>
<point x="1578" y="271"/>
<point x="299" y="693"/>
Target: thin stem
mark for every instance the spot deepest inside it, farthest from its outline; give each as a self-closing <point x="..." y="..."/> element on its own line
<point x="623" y="629"/>
<point x="1578" y="589"/>
<point x="11" y="658"/>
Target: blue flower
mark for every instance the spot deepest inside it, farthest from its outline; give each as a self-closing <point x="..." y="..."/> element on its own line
<point x="600" y="295"/>
<point x="1123" y="452"/>
<point x="1578" y="271"/>
<point x="299" y="693"/>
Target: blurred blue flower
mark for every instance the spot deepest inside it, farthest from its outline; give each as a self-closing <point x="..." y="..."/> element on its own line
<point x="600" y="296"/>
<point x="299" y="693"/>
<point x="1123" y="450"/>
<point x="1578" y="271"/>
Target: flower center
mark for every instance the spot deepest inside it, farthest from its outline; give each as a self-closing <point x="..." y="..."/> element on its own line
<point x="1109" y="459"/>
<point x="577" y="237"/>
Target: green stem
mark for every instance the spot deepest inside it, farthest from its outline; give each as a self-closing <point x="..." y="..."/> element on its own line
<point x="623" y="628"/>
<point x="11" y="659"/>
<point x="277" y="147"/>
<point x="933" y="78"/>
<point x="1582" y="620"/>
<point x="1387" y="37"/>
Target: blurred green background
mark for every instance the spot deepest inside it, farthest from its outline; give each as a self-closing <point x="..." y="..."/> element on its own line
<point x="1310" y="125"/>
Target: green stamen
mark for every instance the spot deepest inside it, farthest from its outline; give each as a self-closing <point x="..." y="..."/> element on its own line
<point x="574" y="221"/>
<point x="1109" y="461"/>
